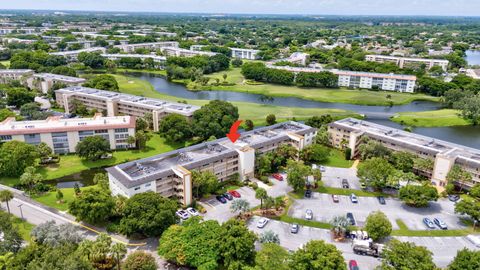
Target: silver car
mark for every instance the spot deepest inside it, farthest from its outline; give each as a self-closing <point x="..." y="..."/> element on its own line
<point x="182" y="214"/>
<point x="309" y="214"/>
<point x="192" y="211"/>
<point x="262" y="222"/>
<point x="440" y="223"/>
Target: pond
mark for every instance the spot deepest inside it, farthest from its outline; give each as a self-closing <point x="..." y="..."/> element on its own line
<point x="473" y="57"/>
<point x="83" y="178"/>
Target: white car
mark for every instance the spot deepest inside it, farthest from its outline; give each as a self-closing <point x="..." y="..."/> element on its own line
<point x="192" y="211"/>
<point x="353" y="198"/>
<point x="262" y="222"/>
<point x="308" y="214"/>
<point x="182" y="214"/>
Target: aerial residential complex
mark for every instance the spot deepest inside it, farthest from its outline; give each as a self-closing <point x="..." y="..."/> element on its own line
<point x="249" y="54"/>
<point x="174" y="51"/>
<point x="113" y="103"/>
<point x="63" y="135"/>
<point x="159" y="61"/>
<point x="170" y="173"/>
<point x="350" y="132"/>
<point x="45" y="81"/>
<point x="130" y="48"/>
<point x="405" y="62"/>
<point x="8" y="75"/>
<point x="72" y="55"/>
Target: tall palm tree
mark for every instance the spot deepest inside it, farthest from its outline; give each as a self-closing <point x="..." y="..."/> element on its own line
<point x="6" y="196"/>
<point x="118" y="251"/>
<point x="261" y="194"/>
<point x="240" y="205"/>
<point x="340" y="225"/>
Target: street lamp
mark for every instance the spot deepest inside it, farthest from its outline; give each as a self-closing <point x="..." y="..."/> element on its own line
<point x="21" y="212"/>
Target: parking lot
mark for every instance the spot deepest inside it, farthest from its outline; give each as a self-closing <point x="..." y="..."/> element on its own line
<point x="333" y="177"/>
<point x="324" y="209"/>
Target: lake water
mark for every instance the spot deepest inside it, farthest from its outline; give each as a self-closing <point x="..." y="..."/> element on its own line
<point x="473" y="57"/>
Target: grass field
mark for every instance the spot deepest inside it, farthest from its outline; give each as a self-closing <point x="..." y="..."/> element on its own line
<point x="361" y="97"/>
<point x="337" y="159"/>
<point x="49" y="198"/>
<point x="404" y="231"/>
<point x="255" y="112"/>
<point x="438" y="118"/>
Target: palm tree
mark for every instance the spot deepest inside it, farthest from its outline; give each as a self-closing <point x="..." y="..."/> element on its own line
<point x="118" y="251"/>
<point x="261" y="194"/>
<point x="5" y="260"/>
<point x="240" y="205"/>
<point x="340" y="225"/>
<point x="269" y="237"/>
<point x="6" y="196"/>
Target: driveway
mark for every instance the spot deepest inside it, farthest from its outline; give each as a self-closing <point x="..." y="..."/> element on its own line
<point x="324" y="209"/>
<point x="333" y="177"/>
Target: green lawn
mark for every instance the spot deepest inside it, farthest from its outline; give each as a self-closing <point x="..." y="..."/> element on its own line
<point x="255" y="112"/>
<point x="6" y="63"/>
<point x="438" y="118"/>
<point x="49" y="198"/>
<point x="337" y="159"/>
<point x="363" y="97"/>
<point x="404" y="231"/>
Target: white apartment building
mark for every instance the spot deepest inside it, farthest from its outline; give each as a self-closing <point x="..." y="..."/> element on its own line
<point x="197" y="47"/>
<point x="368" y="80"/>
<point x="63" y="135"/>
<point x="444" y="154"/>
<point x="159" y="61"/>
<point x="170" y="175"/>
<point x="249" y="54"/>
<point x="113" y="103"/>
<point x="6" y="31"/>
<point x="8" y="75"/>
<point x="405" y="62"/>
<point x="45" y="81"/>
<point x="130" y="48"/>
<point x="473" y="73"/>
<point x="173" y="51"/>
<point x="72" y="55"/>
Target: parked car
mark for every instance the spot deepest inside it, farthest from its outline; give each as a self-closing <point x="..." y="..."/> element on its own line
<point x="308" y="193"/>
<point x="235" y="193"/>
<point x="428" y="222"/>
<point x="453" y="198"/>
<point x="322" y="168"/>
<point x="228" y="196"/>
<point x="351" y="219"/>
<point x="182" y="214"/>
<point x="345" y="183"/>
<point x="278" y="176"/>
<point x="440" y="223"/>
<point x="192" y="211"/>
<point x="335" y="198"/>
<point x="353" y="198"/>
<point x="381" y="200"/>
<point x="221" y="199"/>
<point x="294" y="228"/>
<point x="262" y="222"/>
<point x="308" y="214"/>
<point x="352" y="265"/>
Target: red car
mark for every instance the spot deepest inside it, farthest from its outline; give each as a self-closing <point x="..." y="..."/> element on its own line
<point x="278" y="176"/>
<point x="352" y="265"/>
<point x="234" y="193"/>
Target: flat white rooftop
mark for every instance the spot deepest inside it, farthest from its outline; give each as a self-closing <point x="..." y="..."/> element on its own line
<point x="63" y="78"/>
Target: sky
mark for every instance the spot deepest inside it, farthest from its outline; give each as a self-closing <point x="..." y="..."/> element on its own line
<point x="322" y="7"/>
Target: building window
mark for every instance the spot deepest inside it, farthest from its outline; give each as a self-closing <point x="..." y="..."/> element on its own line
<point x="120" y="130"/>
<point x="137" y="188"/>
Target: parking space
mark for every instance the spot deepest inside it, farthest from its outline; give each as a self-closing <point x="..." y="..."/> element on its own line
<point x="279" y="188"/>
<point x="333" y="177"/>
<point x="221" y="212"/>
<point x="324" y="209"/>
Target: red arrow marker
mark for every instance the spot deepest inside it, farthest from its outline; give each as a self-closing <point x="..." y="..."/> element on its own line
<point x="234" y="135"/>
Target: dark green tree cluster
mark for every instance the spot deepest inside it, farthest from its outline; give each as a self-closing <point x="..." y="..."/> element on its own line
<point x="324" y="79"/>
<point x="104" y="82"/>
<point x="187" y="67"/>
<point x="92" y="60"/>
<point x="39" y="61"/>
<point x="15" y="157"/>
<point x="273" y="161"/>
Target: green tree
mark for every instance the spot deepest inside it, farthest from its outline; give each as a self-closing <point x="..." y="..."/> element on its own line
<point x="317" y="255"/>
<point x="64" y="70"/>
<point x="249" y="125"/>
<point x="297" y="173"/>
<point x="11" y="240"/>
<point x="238" y="244"/>
<point x="403" y="161"/>
<point x="315" y="153"/>
<point x="406" y="255"/>
<point x="59" y="195"/>
<point x="6" y="113"/>
<point x="271" y="119"/>
<point x="44" y="151"/>
<point x="475" y="191"/>
<point x="374" y="172"/>
<point x="141" y="138"/>
<point x="214" y="119"/>
<point x="142" y="124"/>
<point x="101" y="179"/>
<point x="19" y="96"/>
<point x="372" y="149"/>
<point x="147" y="214"/>
<point x="204" y="182"/>
<point x="269" y="237"/>
<point x="93" y="205"/>
<point x="139" y="260"/>
<point x="469" y="207"/>
<point x="378" y="226"/>
<point x="104" y="82"/>
<point x="465" y="260"/>
<point x="418" y="196"/>
<point x="92" y="147"/>
<point x="459" y="175"/>
<point x="175" y="128"/>
<point x="272" y="256"/>
<point x="15" y="156"/>
<point x="118" y="251"/>
<point x="240" y="206"/>
<point x="30" y="178"/>
<point x="6" y="196"/>
<point x="93" y="60"/>
<point x="261" y="194"/>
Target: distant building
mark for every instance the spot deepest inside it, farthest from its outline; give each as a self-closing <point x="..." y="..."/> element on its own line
<point x="170" y="174"/>
<point x="350" y="131"/>
<point x="159" y="61"/>
<point x="113" y="103"/>
<point x="474" y="73"/>
<point x="73" y="55"/>
<point x="405" y="62"/>
<point x="197" y="47"/>
<point x="45" y="81"/>
<point x="130" y="48"/>
<point x="8" y="75"/>
<point x="368" y="80"/>
<point x="249" y="54"/>
<point x="172" y="51"/>
<point x="63" y="135"/>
